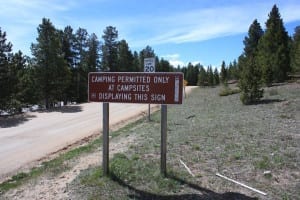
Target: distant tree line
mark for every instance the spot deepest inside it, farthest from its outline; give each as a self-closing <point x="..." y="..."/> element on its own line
<point x="62" y="59"/>
<point x="208" y="76"/>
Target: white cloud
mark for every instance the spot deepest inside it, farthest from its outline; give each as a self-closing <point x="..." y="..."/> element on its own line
<point x="174" y="60"/>
<point x="204" y="24"/>
<point x="20" y="19"/>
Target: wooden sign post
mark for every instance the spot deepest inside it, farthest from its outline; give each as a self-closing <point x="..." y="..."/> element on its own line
<point x="137" y="87"/>
<point x="105" y="156"/>
<point x="163" y="145"/>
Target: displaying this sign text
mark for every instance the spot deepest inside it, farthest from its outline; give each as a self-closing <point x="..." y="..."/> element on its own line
<point x="136" y="87"/>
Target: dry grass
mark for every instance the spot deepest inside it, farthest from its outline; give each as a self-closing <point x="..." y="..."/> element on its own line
<point x="212" y="134"/>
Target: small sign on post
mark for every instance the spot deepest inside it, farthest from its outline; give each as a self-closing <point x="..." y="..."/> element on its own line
<point x="149" y="66"/>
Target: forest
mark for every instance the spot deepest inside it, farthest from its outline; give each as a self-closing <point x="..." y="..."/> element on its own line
<point x="58" y="69"/>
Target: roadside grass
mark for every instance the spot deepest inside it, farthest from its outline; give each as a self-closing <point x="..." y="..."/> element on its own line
<point x="226" y="90"/>
<point x="54" y="166"/>
<point x="251" y="144"/>
<point x="135" y="177"/>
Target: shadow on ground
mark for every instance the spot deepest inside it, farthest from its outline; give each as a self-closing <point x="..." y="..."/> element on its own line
<point x="266" y="101"/>
<point x="64" y="109"/>
<point x="14" y="120"/>
<point x="270" y="101"/>
<point x="206" y="193"/>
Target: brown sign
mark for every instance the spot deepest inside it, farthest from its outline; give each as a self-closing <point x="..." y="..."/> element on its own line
<point x="136" y="87"/>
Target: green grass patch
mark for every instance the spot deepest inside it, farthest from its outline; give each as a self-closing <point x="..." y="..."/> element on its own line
<point x="131" y="177"/>
<point x="264" y="163"/>
<point x="54" y="167"/>
<point x="273" y="92"/>
<point x="226" y="91"/>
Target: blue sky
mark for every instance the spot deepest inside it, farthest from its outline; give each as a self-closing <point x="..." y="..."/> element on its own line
<point x="180" y="31"/>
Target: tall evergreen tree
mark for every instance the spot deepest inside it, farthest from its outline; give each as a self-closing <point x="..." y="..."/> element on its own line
<point x="223" y="73"/>
<point x="71" y="56"/>
<point x="216" y="77"/>
<point x="147" y="52"/>
<point x="16" y="68"/>
<point x="110" y="50"/>
<point x="53" y="74"/>
<point x="136" y="62"/>
<point x="164" y="66"/>
<point x="274" y="49"/>
<point x="81" y="48"/>
<point x="27" y="83"/>
<point x="5" y="75"/>
<point x="81" y="64"/>
<point x="295" y="51"/>
<point x="192" y="74"/>
<point x="250" y="81"/>
<point x="202" y="76"/>
<point x="235" y="70"/>
<point x="210" y="76"/>
<point x="68" y="43"/>
<point x="93" y="55"/>
<point x="125" y="57"/>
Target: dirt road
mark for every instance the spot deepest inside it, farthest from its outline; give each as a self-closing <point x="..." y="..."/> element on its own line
<point x="39" y="134"/>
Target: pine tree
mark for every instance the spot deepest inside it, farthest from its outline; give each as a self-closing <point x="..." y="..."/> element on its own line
<point x="53" y="74"/>
<point x="125" y="57"/>
<point x="235" y="70"/>
<point x="5" y="75"/>
<point x="68" y="43"/>
<point x="274" y="48"/>
<point x="223" y="73"/>
<point x="136" y="62"/>
<point x="93" y="56"/>
<point x="202" y="76"/>
<point x="81" y="64"/>
<point x="250" y="81"/>
<point x="70" y="55"/>
<point x="210" y="76"/>
<point x="216" y="77"/>
<point x="147" y="52"/>
<point x="27" y="84"/>
<point x="230" y="71"/>
<point x="110" y="50"/>
<point x="164" y="66"/>
<point x="295" y="51"/>
<point x="192" y="74"/>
